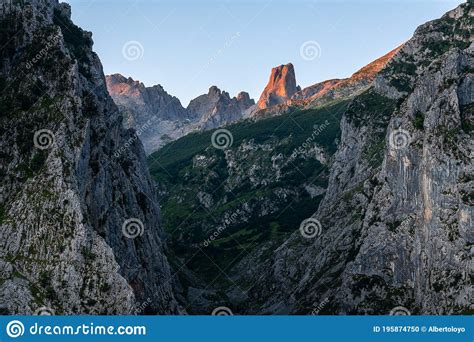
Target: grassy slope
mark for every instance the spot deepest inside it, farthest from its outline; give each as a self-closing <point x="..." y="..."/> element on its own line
<point x="187" y="222"/>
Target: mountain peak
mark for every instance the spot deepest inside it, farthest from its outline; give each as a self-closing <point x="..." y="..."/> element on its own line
<point x="214" y="91"/>
<point x="217" y="107"/>
<point x="117" y="78"/>
<point x="244" y="97"/>
<point x="281" y="86"/>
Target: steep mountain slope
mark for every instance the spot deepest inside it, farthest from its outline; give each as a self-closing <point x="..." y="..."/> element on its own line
<point x="358" y="82"/>
<point x="160" y="118"/>
<point x="285" y="220"/>
<point x="315" y="90"/>
<point x="328" y="91"/>
<point x="72" y="178"/>
<point x="218" y="205"/>
<point x="396" y="229"/>
<point x="152" y="100"/>
<point x="156" y="115"/>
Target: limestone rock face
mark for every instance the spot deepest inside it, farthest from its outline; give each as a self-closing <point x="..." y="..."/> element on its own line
<point x="315" y="89"/>
<point x="280" y="88"/>
<point x="217" y="108"/>
<point x="386" y="170"/>
<point x="71" y="178"/>
<point x="325" y="92"/>
<point x="205" y="103"/>
<point x="153" y="100"/>
<point x="157" y="116"/>
<point x="244" y="101"/>
<point x="396" y="220"/>
<point x="160" y="117"/>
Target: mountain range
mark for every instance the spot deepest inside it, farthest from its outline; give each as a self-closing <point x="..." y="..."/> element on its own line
<point x="351" y="196"/>
<point x="161" y="118"/>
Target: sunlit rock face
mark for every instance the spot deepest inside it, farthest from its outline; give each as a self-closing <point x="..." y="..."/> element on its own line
<point x="160" y="117"/>
<point x="280" y="88"/>
<point x="396" y="220"/>
<point x="338" y="89"/>
<point x="316" y="95"/>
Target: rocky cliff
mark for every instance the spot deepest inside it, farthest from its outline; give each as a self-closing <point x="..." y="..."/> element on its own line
<point x="280" y="87"/>
<point x="217" y="108"/>
<point x="325" y="92"/>
<point x="353" y="204"/>
<point x="396" y="222"/>
<point x="152" y="100"/>
<point x="156" y="115"/>
<point x="79" y="222"/>
<point x="363" y="206"/>
<point x="160" y="118"/>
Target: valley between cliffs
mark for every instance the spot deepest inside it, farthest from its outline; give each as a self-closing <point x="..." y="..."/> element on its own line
<point x="351" y="196"/>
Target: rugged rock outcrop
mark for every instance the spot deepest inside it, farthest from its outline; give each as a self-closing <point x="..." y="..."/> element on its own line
<point x="74" y="186"/>
<point x="217" y="108"/>
<point x="280" y="87"/>
<point x="169" y="120"/>
<point x="154" y="101"/>
<point x="157" y="116"/>
<point x="315" y="89"/>
<point x="357" y="207"/>
<point x="325" y="92"/>
<point x="300" y="218"/>
<point x="244" y="101"/>
<point x="160" y="118"/>
<point x="205" y="103"/>
<point x="396" y="221"/>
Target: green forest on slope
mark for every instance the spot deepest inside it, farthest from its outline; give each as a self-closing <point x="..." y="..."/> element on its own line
<point x="179" y="181"/>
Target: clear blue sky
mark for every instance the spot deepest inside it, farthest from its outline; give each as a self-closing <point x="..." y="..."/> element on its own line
<point x="190" y="45"/>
